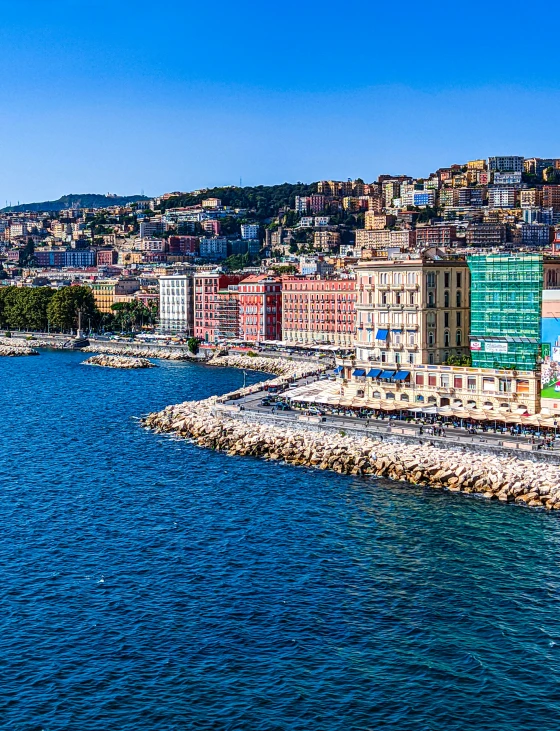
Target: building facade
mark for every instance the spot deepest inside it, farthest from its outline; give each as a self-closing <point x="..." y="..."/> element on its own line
<point x="260" y="308"/>
<point x="176" y="309"/>
<point x="318" y="311"/>
<point x="209" y="295"/>
<point x="412" y="311"/>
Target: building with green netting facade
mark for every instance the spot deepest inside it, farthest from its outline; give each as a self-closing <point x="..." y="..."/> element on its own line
<point x="506" y="302"/>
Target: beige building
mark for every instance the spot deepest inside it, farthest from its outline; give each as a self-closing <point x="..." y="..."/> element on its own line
<point x="456" y="387"/>
<point x="375" y="221"/>
<point x="107" y="292"/>
<point x="326" y="240"/>
<point x="412" y="311"/>
<point x="381" y="239"/>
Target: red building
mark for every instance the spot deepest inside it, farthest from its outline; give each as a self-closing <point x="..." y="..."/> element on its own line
<point x="318" y="311"/>
<point x="216" y="307"/>
<point x="106" y="257"/>
<point x="181" y="245"/>
<point x="260" y="308"/>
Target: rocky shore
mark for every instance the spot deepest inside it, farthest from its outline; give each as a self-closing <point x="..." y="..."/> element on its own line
<point x="502" y="478"/>
<point x="116" y="361"/>
<point x="10" y="348"/>
<point x="508" y="479"/>
<point x="140" y="352"/>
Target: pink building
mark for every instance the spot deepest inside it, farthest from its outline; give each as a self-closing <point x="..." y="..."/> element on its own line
<point x="319" y="311"/>
<point x="260" y="308"/>
<point x="215" y="306"/>
<point x="106" y="257"/>
<point x="211" y="227"/>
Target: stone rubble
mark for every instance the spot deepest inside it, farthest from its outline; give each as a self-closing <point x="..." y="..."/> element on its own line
<point x="508" y="479"/>
<point x="13" y="348"/>
<point x="135" y="351"/>
<point x="115" y="361"/>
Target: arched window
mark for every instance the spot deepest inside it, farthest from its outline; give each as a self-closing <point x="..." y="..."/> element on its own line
<point x="446" y="298"/>
<point x="446" y="338"/>
<point x="458" y="338"/>
<point x="459" y="298"/>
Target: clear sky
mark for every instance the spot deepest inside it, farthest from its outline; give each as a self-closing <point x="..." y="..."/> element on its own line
<point x="121" y="96"/>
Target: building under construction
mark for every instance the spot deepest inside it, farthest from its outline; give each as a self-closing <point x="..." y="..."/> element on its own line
<point x="227" y="313"/>
<point x="506" y="295"/>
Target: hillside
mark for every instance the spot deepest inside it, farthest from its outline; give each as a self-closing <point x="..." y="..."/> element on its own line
<point x="265" y="199"/>
<point x="76" y="200"/>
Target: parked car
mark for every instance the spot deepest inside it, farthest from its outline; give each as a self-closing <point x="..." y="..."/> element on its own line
<point x="283" y="407"/>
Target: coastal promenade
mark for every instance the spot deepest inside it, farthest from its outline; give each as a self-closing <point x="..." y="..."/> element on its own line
<point x="391" y="427"/>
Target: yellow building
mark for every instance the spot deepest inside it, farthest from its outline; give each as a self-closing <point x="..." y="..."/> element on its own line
<point x="476" y="165"/>
<point x="412" y="310"/>
<point x="106" y="292"/>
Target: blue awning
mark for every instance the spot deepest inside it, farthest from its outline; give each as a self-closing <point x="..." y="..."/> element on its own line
<point x="373" y="373"/>
<point x="401" y="375"/>
<point x="338" y="369"/>
<point x="359" y="372"/>
<point x="381" y="334"/>
<point x="397" y="330"/>
<point x="386" y="375"/>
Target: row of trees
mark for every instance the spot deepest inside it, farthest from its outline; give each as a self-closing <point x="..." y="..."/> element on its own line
<point x="38" y="308"/>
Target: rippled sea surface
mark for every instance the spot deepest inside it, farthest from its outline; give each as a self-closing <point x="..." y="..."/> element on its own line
<point x="147" y="584"/>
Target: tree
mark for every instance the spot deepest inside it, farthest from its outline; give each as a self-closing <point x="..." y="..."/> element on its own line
<point x="193" y="344"/>
<point x="26" y="254"/>
<point x="65" y="304"/>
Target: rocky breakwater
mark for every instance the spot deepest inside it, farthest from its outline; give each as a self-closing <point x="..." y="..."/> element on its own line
<point x="285" y="370"/>
<point x="15" y="348"/>
<point x="501" y="478"/>
<point x="139" y="351"/>
<point x="116" y="361"/>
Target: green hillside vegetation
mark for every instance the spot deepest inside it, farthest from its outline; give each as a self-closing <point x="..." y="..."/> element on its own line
<point x="264" y="199"/>
<point x="76" y="200"/>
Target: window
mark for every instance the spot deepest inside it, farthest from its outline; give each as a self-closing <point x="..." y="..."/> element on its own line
<point x="430" y="338"/>
<point x="446" y="339"/>
<point x="446" y="279"/>
<point x="458" y="318"/>
<point x="419" y="379"/>
<point x="432" y="380"/>
<point x="446" y="299"/>
<point x="457" y="382"/>
<point x="444" y="380"/>
<point x="504" y="385"/>
<point x="459" y="299"/>
<point x="398" y="298"/>
<point x="411" y="298"/>
<point x="430" y="299"/>
<point x="458" y="338"/>
<point x="384" y="298"/>
<point x="488" y="384"/>
<point x="446" y="319"/>
<point x="522" y="386"/>
<point x="471" y="383"/>
<point x="431" y="358"/>
<point x="431" y="279"/>
<point x="458" y="279"/>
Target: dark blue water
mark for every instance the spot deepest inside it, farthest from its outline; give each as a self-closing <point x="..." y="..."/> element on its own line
<point x="147" y="584"/>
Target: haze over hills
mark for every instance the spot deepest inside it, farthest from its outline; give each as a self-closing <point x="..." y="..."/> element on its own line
<point x="77" y="200"/>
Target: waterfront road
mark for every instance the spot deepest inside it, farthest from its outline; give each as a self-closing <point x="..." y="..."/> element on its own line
<point x="395" y="425"/>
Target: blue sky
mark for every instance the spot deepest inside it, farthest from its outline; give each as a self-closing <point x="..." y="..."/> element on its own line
<point x="120" y="96"/>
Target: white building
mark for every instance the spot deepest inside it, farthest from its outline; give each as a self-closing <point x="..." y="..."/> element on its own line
<point x="502" y="197"/>
<point x="506" y="164"/>
<point x="250" y="231"/>
<point x="176" y="304"/>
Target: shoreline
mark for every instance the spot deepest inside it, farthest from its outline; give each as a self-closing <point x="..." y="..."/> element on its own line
<point x="208" y="424"/>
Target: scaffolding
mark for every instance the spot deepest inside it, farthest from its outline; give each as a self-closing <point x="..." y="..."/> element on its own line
<point x="227" y="315"/>
<point x="506" y="306"/>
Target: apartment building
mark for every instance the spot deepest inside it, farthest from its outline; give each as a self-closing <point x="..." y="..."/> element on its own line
<point x="107" y="292"/>
<point x="326" y="240"/>
<point x="511" y="163"/>
<point x="530" y="198"/>
<point x="211" y="294"/>
<point x="485" y="234"/>
<point x="250" y="230"/>
<point x="412" y="311"/>
<point x="260" y="308"/>
<point x="214" y="248"/>
<point x="380" y="239"/>
<point x="377" y="221"/>
<point x="551" y="197"/>
<point x="435" y="235"/>
<point x="176" y="304"/>
<point x="502" y="197"/>
<point x="319" y="311"/>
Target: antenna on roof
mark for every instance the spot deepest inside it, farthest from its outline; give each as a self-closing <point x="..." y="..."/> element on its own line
<point x="240" y="181"/>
